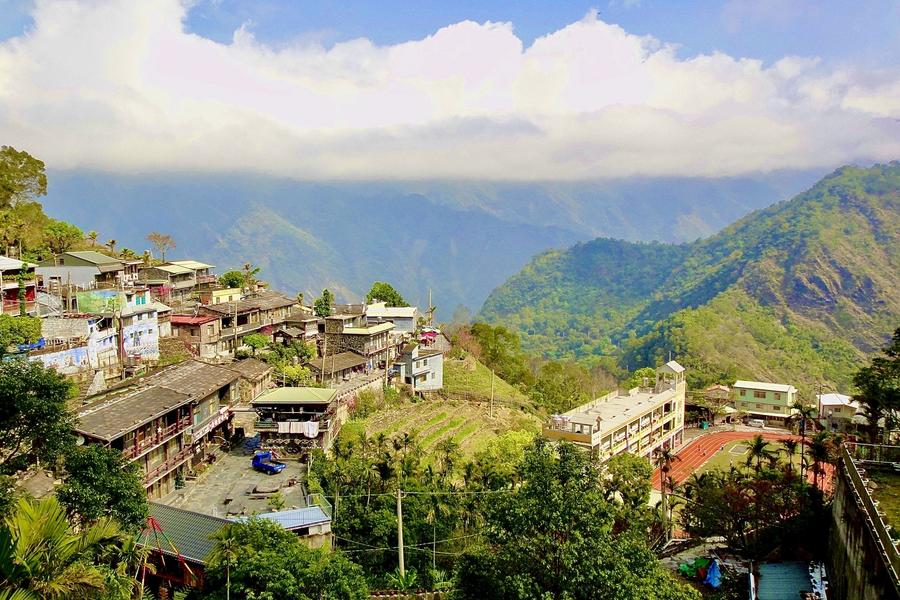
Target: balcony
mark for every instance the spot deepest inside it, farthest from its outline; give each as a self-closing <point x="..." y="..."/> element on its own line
<point x="206" y="279"/>
<point x="156" y="439"/>
<point x="245" y="328"/>
<point x="171" y="463"/>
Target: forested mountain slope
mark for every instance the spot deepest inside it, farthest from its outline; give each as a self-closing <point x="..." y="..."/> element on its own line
<point x="800" y="290"/>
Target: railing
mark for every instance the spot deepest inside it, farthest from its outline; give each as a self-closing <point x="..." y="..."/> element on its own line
<point x="156" y="438"/>
<point x="873" y="517"/>
<point x="246" y="327"/>
<point x="207" y="279"/>
<point x="873" y="453"/>
<point x="12" y="306"/>
<point x="171" y="463"/>
<point x="320" y="501"/>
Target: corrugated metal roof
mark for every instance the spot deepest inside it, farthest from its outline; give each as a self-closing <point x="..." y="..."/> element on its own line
<point x="381" y="310"/>
<point x="338" y="362"/>
<point x="190" y="532"/>
<point x="380" y="328"/>
<point x="764" y="386"/>
<point x="837" y="400"/>
<point x="291" y="395"/>
<point x="191" y="264"/>
<point x="296" y="518"/>
<point x="173" y="269"/>
<point x="94" y="257"/>
<point x="12" y="264"/>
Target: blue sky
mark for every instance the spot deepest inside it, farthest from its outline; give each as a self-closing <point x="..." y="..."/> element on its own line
<point x="861" y="31"/>
<point x="453" y="89"/>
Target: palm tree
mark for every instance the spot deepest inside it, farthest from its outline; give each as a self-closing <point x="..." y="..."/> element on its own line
<point x="804" y="413"/>
<point x="111" y="244"/>
<point x="44" y="557"/>
<point x="92" y="237"/>
<point x="821" y="452"/>
<point x="759" y="451"/>
<point x="789" y="447"/>
<point x="225" y="552"/>
<point x="128" y="253"/>
<point x="664" y="459"/>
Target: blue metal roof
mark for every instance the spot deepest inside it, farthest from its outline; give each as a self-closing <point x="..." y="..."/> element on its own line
<point x="295" y="518"/>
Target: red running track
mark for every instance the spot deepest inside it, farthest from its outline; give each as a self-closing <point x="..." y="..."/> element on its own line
<point x="701" y="449"/>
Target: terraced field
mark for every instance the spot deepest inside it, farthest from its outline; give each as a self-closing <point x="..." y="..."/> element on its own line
<point x="467" y="423"/>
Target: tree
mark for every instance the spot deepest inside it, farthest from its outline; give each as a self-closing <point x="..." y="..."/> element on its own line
<point x="295" y="376"/>
<point x="35" y="420"/>
<point x="111" y="244"/>
<point x="664" y="457"/>
<point x="259" y="559"/>
<point x="18" y="330"/>
<point x="42" y="555"/>
<point x="629" y="480"/>
<point x="232" y="279"/>
<point x="637" y="378"/>
<point x="92" y="237"/>
<point x="163" y="242"/>
<point x="249" y="273"/>
<point x="879" y="388"/>
<point x="100" y="482"/>
<point x="128" y="254"/>
<point x="758" y="451"/>
<point x="256" y="341"/>
<point x="385" y="292"/>
<point x="61" y="236"/>
<point x="323" y="304"/>
<point x="22" y="177"/>
<point x="553" y="537"/>
<point x="789" y="447"/>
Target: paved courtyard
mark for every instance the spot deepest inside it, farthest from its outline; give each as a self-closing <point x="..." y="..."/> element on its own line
<point x="230" y="487"/>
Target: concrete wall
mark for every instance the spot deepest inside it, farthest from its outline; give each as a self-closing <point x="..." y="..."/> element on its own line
<point x="857" y="567"/>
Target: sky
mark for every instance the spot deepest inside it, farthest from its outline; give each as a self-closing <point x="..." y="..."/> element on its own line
<point x="451" y="90"/>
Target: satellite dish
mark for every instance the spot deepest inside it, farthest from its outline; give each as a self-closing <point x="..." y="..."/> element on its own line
<point x="79" y="441"/>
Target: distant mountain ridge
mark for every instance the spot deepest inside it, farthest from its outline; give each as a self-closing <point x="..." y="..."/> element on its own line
<point x="457" y="239"/>
<point x="801" y="290"/>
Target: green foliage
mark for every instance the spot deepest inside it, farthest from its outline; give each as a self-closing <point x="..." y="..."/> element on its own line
<point x="637" y="378"/>
<point x="879" y="388"/>
<point x="799" y="291"/>
<point x="554" y="536"/>
<point x="295" y="376"/>
<point x="256" y="341"/>
<point x="259" y="559"/>
<point x="100" y="482"/>
<point x="629" y="480"/>
<point x="18" y="330"/>
<point x="385" y="292"/>
<point x="322" y="305"/>
<point x="61" y="236"/>
<point x="35" y="420"/>
<point x="561" y="386"/>
<point x="22" y="177"/>
<point x="232" y="279"/>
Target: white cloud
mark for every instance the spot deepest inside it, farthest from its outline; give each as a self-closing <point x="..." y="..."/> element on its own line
<point x="121" y="86"/>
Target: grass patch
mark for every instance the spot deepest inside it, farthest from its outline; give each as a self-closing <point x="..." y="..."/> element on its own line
<point x="888" y="495"/>
<point x="459" y="379"/>
<point x="432" y="438"/>
<point x="735" y="453"/>
<point x="464" y="432"/>
<point x="435" y="420"/>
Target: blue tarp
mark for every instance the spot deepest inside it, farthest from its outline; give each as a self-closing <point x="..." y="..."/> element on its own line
<point x="713" y="575"/>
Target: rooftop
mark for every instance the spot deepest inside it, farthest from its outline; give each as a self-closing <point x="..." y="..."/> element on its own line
<point x="338" y="362"/>
<point x="296" y="395"/>
<point x="250" y="368"/>
<point x="265" y="300"/>
<point x="192" y="319"/>
<point x="764" y="386"/>
<point x="381" y="310"/>
<point x="296" y="518"/>
<point x="59" y="328"/>
<point x="380" y="328"/>
<point x="97" y="258"/>
<point x="11" y="264"/>
<point x="191" y="264"/>
<point x="173" y="269"/>
<point x="615" y="410"/>
<point x="195" y="378"/>
<point x="112" y="416"/>
<point x="189" y="532"/>
<point x="837" y="400"/>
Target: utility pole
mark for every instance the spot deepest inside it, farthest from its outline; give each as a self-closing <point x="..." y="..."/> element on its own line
<point x="492" y="393"/>
<point x="400" y="531"/>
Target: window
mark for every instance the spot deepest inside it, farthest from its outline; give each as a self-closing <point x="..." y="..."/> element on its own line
<point x="759" y="406"/>
<point x="743" y="392"/>
<point x="425" y="362"/>
<point x="776" y="408"/>
<point x="432" y="374"/>
<point x="759" y="394"/>
<point x="778" y="395"/>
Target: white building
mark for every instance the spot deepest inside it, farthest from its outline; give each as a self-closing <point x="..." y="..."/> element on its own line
<point x="403" y="317"/>
<point x="836" y="411"/>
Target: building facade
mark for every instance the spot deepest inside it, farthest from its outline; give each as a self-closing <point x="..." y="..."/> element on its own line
<point x="770" y="402"/>
<point x="85" y="270"/>
<point x="638" y="421"/>
<point x="298" y="419"/>
<point x="421" y="367"/>
<point x="836" y="412"/>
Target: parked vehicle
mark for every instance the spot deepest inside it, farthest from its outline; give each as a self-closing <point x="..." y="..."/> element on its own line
<point x="756" y="423"/>
<point x="263" y="461"/>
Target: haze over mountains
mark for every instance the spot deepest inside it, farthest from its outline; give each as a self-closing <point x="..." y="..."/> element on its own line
<point x="800" y="291"/>
<point x="458" y="239"/>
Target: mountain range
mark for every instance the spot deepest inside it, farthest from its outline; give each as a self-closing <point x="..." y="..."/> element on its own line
<point x="800" y="291"/>
<point x="458" y="240"/>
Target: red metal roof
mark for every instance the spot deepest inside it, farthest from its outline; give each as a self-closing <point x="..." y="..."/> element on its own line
<point x="192" y="320"/>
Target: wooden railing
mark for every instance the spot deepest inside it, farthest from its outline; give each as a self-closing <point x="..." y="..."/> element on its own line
<point x="170" y="463"/>
<point x="156" y="438"/>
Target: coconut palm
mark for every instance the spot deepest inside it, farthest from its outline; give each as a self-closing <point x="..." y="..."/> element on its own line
<point x="44" y="557"/>
<point x="111" y="244"/>
<point x="758" y="451"/>
<point x="789" y="447"/>
<point x="225" y="552"/>
<point x="805" y="413"/>
<point x="664" y="457"/>
<point x="821" y="452"/>
<point x="92" y="237"/>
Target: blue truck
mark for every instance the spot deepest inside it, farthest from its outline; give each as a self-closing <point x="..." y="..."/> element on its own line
<point x="262" y="461"/>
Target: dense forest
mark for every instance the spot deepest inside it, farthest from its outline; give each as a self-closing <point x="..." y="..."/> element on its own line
<point x="802" y="290"/>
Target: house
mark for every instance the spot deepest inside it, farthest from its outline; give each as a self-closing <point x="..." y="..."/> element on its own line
<point x="771" y="402"/>
<point x="404" y="318"/>
<point x="13" y="271"/>
<point x="300" y="325"/>
<point x="836" y="411"/>
<point x="163" y="319"/>
<point x="311" y="523"/>
<point x="338" y="367"/>
<point x="169" y="283"/>
<point x="136" y="313"/>
<point x="639" y="421"/>
<point x="204" y="278"/>
<point x="263" y="312"/>
<point x="421" y="367"/>
<point x="256" y="378"/>
<point x="179" y="541"/>
<point x="201" y="333"/>
<point x="297" y="419"/>
<point x="79" y="347"/>
<point x="165" y="421"/>
<point x="351" y="331"/>
<point x="84" y="269"/>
